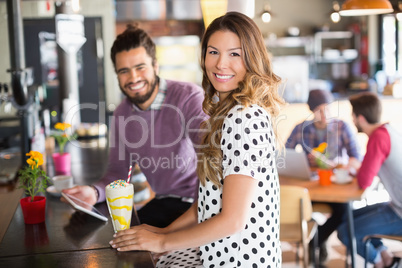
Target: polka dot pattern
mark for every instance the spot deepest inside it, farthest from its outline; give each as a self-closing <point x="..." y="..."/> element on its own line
<point x="181" y="258"/>
<point x="248" y="147"/>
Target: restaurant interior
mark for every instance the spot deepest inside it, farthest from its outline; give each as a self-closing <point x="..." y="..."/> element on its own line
<point x="56" y="57"/>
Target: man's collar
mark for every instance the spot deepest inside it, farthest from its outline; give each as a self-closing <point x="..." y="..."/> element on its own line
<point x="159" y="98"/>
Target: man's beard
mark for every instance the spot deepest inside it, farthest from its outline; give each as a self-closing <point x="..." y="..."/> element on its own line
<point x="141" y="99"/>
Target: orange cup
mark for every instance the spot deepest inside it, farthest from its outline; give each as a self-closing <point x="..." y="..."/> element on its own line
<point x="325" y="176"/>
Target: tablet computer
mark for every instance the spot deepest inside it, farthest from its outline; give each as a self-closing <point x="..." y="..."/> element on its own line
<point x="83" y="206"/>
<point x="294" y="164"/>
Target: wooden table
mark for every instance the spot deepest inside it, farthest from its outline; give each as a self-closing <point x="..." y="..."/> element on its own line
<point x="11" y="196"/>
<point x="334" y="193"/>
<point x="67" y="238"/>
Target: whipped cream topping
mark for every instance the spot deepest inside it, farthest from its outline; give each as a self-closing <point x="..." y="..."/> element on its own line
<point x="118" y="184"/>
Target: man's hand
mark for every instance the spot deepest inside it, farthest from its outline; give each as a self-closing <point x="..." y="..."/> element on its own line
<point x="83" y="192"/>
<point x="311" y="159"/>
<point x="353" y="166"/>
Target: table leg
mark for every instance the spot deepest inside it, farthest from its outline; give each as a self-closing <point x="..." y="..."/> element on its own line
<point x="352" y="238"/>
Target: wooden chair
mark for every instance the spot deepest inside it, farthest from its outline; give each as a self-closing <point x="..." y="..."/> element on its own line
<point x="322" y="208"/>
<point x="367" y="240"/>
<point x="296" y="223"/>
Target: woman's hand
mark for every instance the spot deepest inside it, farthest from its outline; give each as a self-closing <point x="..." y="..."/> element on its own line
<point x="142" y="237"/>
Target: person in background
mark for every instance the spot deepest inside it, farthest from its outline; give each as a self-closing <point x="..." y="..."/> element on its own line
<point x="342" y="148"/>
<point x="156" y="126"/>
<point x="236" y="220"/>
<point x="342" y="144"/>
<point x="380" y="159"/>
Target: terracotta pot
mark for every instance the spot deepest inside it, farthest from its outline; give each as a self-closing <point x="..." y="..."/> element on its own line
<point x="62" y="162"/>
<point x="325" y="176"/>
<point x="34" y="212"/>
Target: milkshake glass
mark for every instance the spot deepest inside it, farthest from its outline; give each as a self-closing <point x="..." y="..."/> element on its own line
<point x="119" y="198"/>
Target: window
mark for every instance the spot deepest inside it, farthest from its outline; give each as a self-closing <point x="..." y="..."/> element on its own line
<point x="389" y="45"/>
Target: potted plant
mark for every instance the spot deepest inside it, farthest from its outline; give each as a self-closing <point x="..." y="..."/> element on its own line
<point x="62" y="160"/>
<point x="324" y="164"/>
<point x="33" y="180"/>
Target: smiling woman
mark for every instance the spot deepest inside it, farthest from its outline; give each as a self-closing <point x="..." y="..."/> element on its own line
<point x="224" y="63"/>
<point x="235" y="221"/>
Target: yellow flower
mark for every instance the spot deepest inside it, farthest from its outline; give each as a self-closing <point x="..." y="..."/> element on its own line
<point x="61" y="136"/>
<point x="321" y="148"/>
<point x="36" y="159"/>
<point x="62" y="126"/>
<point x="321" y="157"/>
<point x="31" y="162"/>
<point x="32" y="178"/>
<point x="35" y="154"/>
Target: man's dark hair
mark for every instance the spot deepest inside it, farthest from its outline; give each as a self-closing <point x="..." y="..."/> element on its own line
<point x="133" y="37"/>
<point x="368" y="105"/>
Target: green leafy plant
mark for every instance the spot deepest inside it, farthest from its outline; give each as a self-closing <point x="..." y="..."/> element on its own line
<point x="61" y="136"/>
<point x="321" y="156"/>
<point x="32" y="178"/>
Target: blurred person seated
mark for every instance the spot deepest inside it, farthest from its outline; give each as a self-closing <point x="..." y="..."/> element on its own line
<point x="342" y="150"/>
<point x="382" y="161"/>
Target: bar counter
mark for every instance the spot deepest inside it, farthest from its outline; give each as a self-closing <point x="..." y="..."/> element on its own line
<point x="67" y="238"/>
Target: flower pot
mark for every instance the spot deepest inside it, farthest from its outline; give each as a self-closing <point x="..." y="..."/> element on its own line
<point x="324" y="176"/>
<point x="62" y="162"/>
<point x="34" y="212"/>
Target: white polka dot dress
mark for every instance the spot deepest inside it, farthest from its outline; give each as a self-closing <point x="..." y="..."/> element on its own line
<point x="181" y="258"/>
<point x="248" y="147"/>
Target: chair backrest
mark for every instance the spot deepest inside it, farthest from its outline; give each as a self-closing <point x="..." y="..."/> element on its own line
<point x="290" y="206"/>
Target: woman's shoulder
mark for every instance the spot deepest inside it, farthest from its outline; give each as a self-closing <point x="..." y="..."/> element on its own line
<point x="249" y="112"/>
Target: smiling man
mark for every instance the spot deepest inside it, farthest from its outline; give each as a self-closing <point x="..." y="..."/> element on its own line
<point x="137" y="74"/>
<point x="156" y="126"/>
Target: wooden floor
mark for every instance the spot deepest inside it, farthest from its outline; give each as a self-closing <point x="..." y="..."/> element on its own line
<point x="336" y="254"/>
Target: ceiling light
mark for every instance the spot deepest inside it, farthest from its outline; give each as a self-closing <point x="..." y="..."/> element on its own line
<point x="335" y="16"/>
<point x="365" y="7"/>
<point x="266" y="15"/>
<point x="399" y="11"/>
<point x="75" y="5"/>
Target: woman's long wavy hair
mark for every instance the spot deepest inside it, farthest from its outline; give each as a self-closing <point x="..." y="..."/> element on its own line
<point x="259" y="86"/>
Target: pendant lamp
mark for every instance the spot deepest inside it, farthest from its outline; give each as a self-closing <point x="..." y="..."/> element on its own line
<point x="266" y="15"/>
<point x="399" y="11"/>
<point x="365" y="7"/>
<point x="334" y="14"/>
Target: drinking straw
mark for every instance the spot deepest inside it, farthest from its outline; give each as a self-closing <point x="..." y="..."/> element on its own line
<point x="129" y="173"/>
